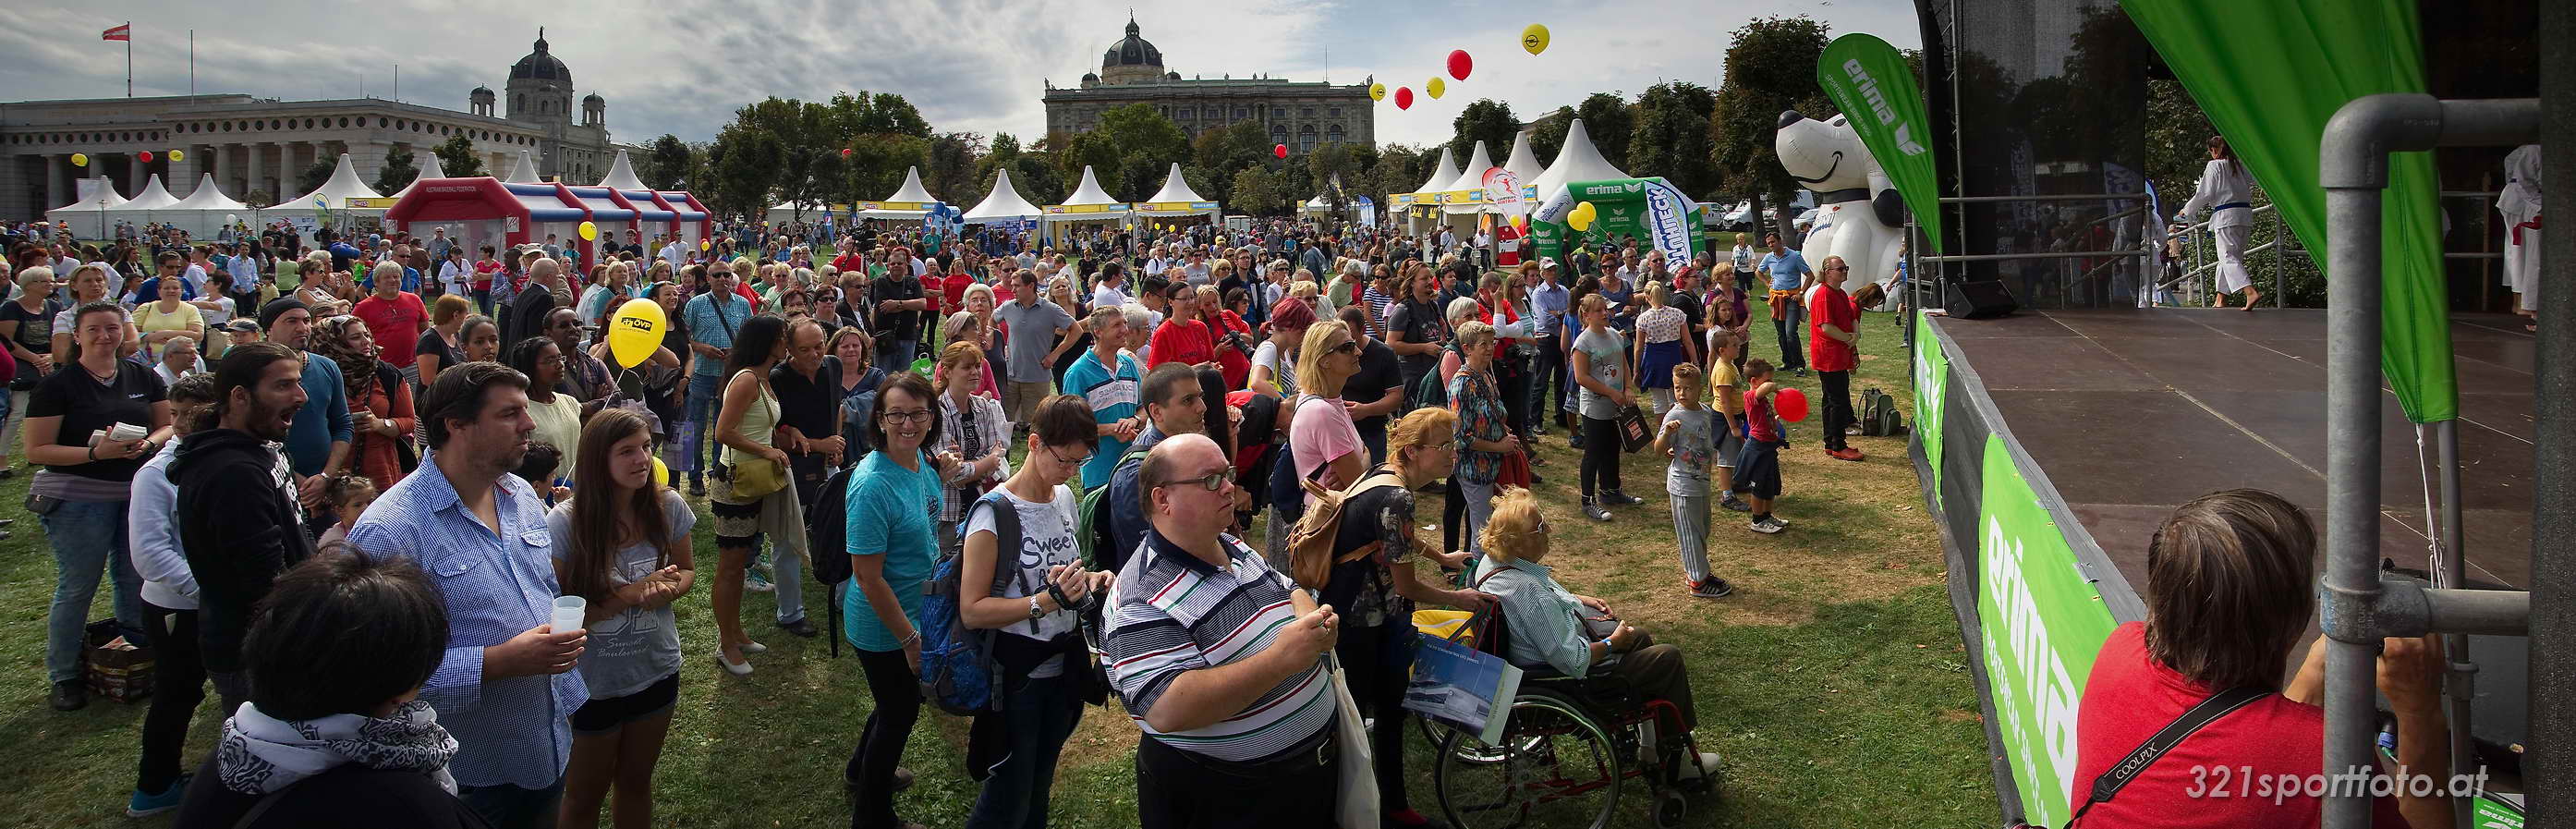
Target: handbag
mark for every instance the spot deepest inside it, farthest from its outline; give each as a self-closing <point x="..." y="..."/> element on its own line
<point x="755" y="478"/>
<point x="1633" y="434"/>
<point x="1356" y="792"/>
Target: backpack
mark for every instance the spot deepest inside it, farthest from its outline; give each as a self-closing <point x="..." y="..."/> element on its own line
<point x="1432" y="392"/>
<point x="1878" y="414"/>
<point x="1092" y="536"/>
<point x="1310" y="543"/>
<point x="958" y="670"/>
<point x="827" y="536"/>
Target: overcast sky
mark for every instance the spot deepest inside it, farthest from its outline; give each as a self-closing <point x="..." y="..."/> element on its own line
<point x="683" y="66"/>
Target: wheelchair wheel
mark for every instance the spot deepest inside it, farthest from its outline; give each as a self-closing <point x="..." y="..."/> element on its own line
<point x="1671" y="808"/>
<point x="1555" y="768"/>
<point x="1469" y="750"/>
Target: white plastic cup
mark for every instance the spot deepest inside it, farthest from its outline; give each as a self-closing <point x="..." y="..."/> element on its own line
<point x="568" y="613"/>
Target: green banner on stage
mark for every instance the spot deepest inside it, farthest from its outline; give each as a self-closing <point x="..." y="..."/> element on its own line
<point x="1931" y="385"/>
<point x="1878" y="96"/>
<point x="2041" y="622"/>
<point x="2269" y="75"/>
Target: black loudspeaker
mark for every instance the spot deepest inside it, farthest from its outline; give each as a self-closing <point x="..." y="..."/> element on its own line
<point x="1978" y="300"/>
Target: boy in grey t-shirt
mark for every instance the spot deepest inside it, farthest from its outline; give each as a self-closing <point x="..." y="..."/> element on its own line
<point x="1689" y="437"/>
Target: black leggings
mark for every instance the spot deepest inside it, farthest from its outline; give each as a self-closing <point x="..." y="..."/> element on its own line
<point x="1379" y="661"/>
<point x="1453" y="514"/>
<point x="178" y="685"/>
<point x="1600" y="454"/>
<point x="898" y="705"/>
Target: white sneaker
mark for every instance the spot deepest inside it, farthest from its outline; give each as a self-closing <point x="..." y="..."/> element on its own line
<point x="1706" y="767"/>
<point x="1763" y="526"/>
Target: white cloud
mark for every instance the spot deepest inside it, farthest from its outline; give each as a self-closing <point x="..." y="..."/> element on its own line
<point x="979" y="65"/>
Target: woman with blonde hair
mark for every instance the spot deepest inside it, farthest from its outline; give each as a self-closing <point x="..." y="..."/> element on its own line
<point x="1370" y="581"/>
<point x="1574" y="634"/>
<point x="973" y="429"/>
<point x="1662" y="342"/>
<point x="964" y="326"/>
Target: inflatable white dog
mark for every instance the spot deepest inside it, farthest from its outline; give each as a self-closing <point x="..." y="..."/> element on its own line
<point x="1859" y="215"/>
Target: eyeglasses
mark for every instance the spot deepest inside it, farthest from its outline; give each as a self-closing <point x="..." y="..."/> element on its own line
<point x="1838" y="269"/>
<point x="1211" y="482"/>
<point x="916" y="416"/>
<point x="1347" y="347"/>
<point x="1060" y="458"/>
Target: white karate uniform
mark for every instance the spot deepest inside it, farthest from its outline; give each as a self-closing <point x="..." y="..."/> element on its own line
<point x="2224" y="182"/>
<point x="2520" y="204"/>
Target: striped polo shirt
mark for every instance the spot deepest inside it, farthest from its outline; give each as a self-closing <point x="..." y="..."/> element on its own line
<point x="1171" y="612"/>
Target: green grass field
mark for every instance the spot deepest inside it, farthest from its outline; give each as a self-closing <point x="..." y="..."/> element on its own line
<point x="1833" y="681"/>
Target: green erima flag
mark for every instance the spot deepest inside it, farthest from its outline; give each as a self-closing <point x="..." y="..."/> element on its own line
<point x="1869" y="80"/>
<point x="2269" y="75"/>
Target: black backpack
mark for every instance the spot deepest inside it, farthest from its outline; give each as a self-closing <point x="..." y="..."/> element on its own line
<point x="827" y="539"/>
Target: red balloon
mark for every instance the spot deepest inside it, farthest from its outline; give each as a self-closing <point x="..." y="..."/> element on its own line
<point x="1280" y="151"/>
<point x="146" y="155"/>
<point x="1791" y="404"/>
<point x="1460" y="64"/>
<point x="845" y="152"/>
<point x="1404" y="97"/>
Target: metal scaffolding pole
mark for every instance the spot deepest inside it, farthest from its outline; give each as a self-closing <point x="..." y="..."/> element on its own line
<point x="2355" y="609"/>
<point x="2549" y="765"/>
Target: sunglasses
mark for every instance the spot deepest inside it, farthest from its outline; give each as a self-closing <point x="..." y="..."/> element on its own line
<point x="1346" y="347"/>
<point x="1211" y="482"/>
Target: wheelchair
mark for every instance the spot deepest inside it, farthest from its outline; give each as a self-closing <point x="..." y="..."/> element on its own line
<point x="1566" y="753"/>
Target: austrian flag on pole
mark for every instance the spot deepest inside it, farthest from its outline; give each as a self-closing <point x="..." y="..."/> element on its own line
<point x="124" y="33"/>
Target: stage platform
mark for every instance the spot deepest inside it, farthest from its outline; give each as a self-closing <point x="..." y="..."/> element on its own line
<point x="2130" y="413"/>
<point x="2051" y="444"/>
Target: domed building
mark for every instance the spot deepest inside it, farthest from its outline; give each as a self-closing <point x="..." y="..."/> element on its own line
<point x="261" y="149"/>
<point x="1300" y="114"/>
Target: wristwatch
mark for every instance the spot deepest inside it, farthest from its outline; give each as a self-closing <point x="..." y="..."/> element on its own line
<point x="1035" y="612"/>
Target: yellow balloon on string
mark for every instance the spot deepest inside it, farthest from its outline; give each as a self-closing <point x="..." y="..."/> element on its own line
<point x="80" y="159"/>
<point x="636" y="331"/>
<point x="1435" y="86"/>
<point x="1377" y="92"/>
<point x="1534" y="38"/>
<point x="661" y="474"/>
<point x="178" y="155"/>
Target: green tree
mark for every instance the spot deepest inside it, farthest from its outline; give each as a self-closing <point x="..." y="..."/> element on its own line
<point x="1038" y="179"/>
<point x="745" y="162"/>
<point x="1256" y="192"/>
<point x="399" y="170"/>
<point x="1485" y="120"/>
<point x="313" y="177"/>
<point x="877" y="163"/>
<point x="951" y="174"/>
<point x="1672" y="140"/>
<point x="1342" y="162"/>
<point x="1770" y="68"/>
<point x="457" y="158"/>
<point x="1547" y="133"/>
<point x="797" y="144"/>
<point x="1609" y="119"/>
<point x="1398" y="169"/>
<point x="1219" y="154"/>
<point x="1131" y="150"/>
<point x="666" y="164"/>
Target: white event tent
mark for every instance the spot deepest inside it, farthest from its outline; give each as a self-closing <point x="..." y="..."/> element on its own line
<point x="524" y="172"/>
<point x="428" y="171"/>
<point x="1441" y="175"/>
<point x="1579" y="161"/>
<point x="87" y="216"/>
<point x="1004" y="204"/>
<point x="1177" y="198"/>
<point x="909" y="202"/>
<point x="332" y="198"/>
<point x="1089" y="203"/>
<point x="207" y="210"/>
<point x="621" y="175"/>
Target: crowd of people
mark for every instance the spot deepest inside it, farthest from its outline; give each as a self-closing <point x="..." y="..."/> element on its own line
<point x="273" y="441"/>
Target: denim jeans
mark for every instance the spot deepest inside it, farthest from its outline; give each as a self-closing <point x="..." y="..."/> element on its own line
<point x="1789" y="327"/>
<point x="705" y="391"/>
<point x="897" y="355"/>
<point x="86" y="536"/>
<point x="1037" y="719"/>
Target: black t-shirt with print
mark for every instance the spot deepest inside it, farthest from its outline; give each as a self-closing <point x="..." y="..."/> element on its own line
<point x="1378" y="372"/>
<point x="87" y="405"/>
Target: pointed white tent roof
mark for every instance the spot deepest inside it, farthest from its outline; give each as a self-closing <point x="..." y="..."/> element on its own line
<point x="621" y="175"/>
<point x="1470" y="177"/>
<point x="1441" y="174"/>
<point x="911" y="189"/>
<point x="526" y="170"/>
<point x="1524" y="162"/>
<point x="1089" y="191"/>
<point x="1176" y="188"/>
<point x="152" y="197"/>
<point x="207" y="197"/>
<point x="92" y="192"/>
<point x="1005" y="202"/>
<point x="336" y="193"/>
<point x="428" y="171"/>
<point x="1579" y="161"/>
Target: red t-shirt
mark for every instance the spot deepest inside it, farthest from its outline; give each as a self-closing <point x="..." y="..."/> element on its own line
<point x="2129" y="698"/>
<point x="392" y="322"/>
<point x="1828" y="304"/>
<point x="1181" y="341"/>
<point x="1759" y="422"/>
<point x="849" y="262"/>
<point x="1234" y="365"/>
<point x="953" y="289"/>
<point x="483" y="272"/>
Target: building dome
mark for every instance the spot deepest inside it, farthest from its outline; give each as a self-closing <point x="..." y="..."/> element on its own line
<point x="481" y="92"/>
<point x="540" y="65"/>
<point x="1171" y="76"/>
<point x="1134" y="50"/>
<point x="1090" y="77"/>
<point x="593" y="99"/>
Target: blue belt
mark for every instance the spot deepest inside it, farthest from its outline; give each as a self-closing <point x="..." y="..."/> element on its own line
<point x="2230" y="205"/>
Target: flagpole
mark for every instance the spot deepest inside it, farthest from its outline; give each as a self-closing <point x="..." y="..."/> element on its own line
<point x="192" y="64"/>
<point x="129" y="59"/>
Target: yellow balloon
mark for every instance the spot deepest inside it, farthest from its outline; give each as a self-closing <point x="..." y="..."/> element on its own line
<point x="1377" y="92"/>
<point x="704" y="244"/>
<point x="661" y="474"/>
<point x="1435" y="86"/>
<point x="635" y="331"/>
<point x="1578" y="221"/>
<point x="80" y="159"/>
<point x="1534" y="38"/>
<point x="589" y="232"/>
<point x="178" y="155"/>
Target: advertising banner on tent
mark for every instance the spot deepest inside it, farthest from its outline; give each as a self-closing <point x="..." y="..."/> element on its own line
<point x="2270" y="75"/>
<point x="1931" y="386"/>
<point x="2040" y="622"/>
<point x="1368" y="212"/>
<point x="1869" y="80"/>
<point x="1669" y="217"/>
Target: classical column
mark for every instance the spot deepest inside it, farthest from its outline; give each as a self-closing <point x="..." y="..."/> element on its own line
<point x="134" y="170"/>
<point x="256" y="169"/>
<point x="57" y="167"/>
<point x="215" y="167"/>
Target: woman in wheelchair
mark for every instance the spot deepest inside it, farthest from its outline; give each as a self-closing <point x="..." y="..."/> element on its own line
<point x="1553" y="629"/>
